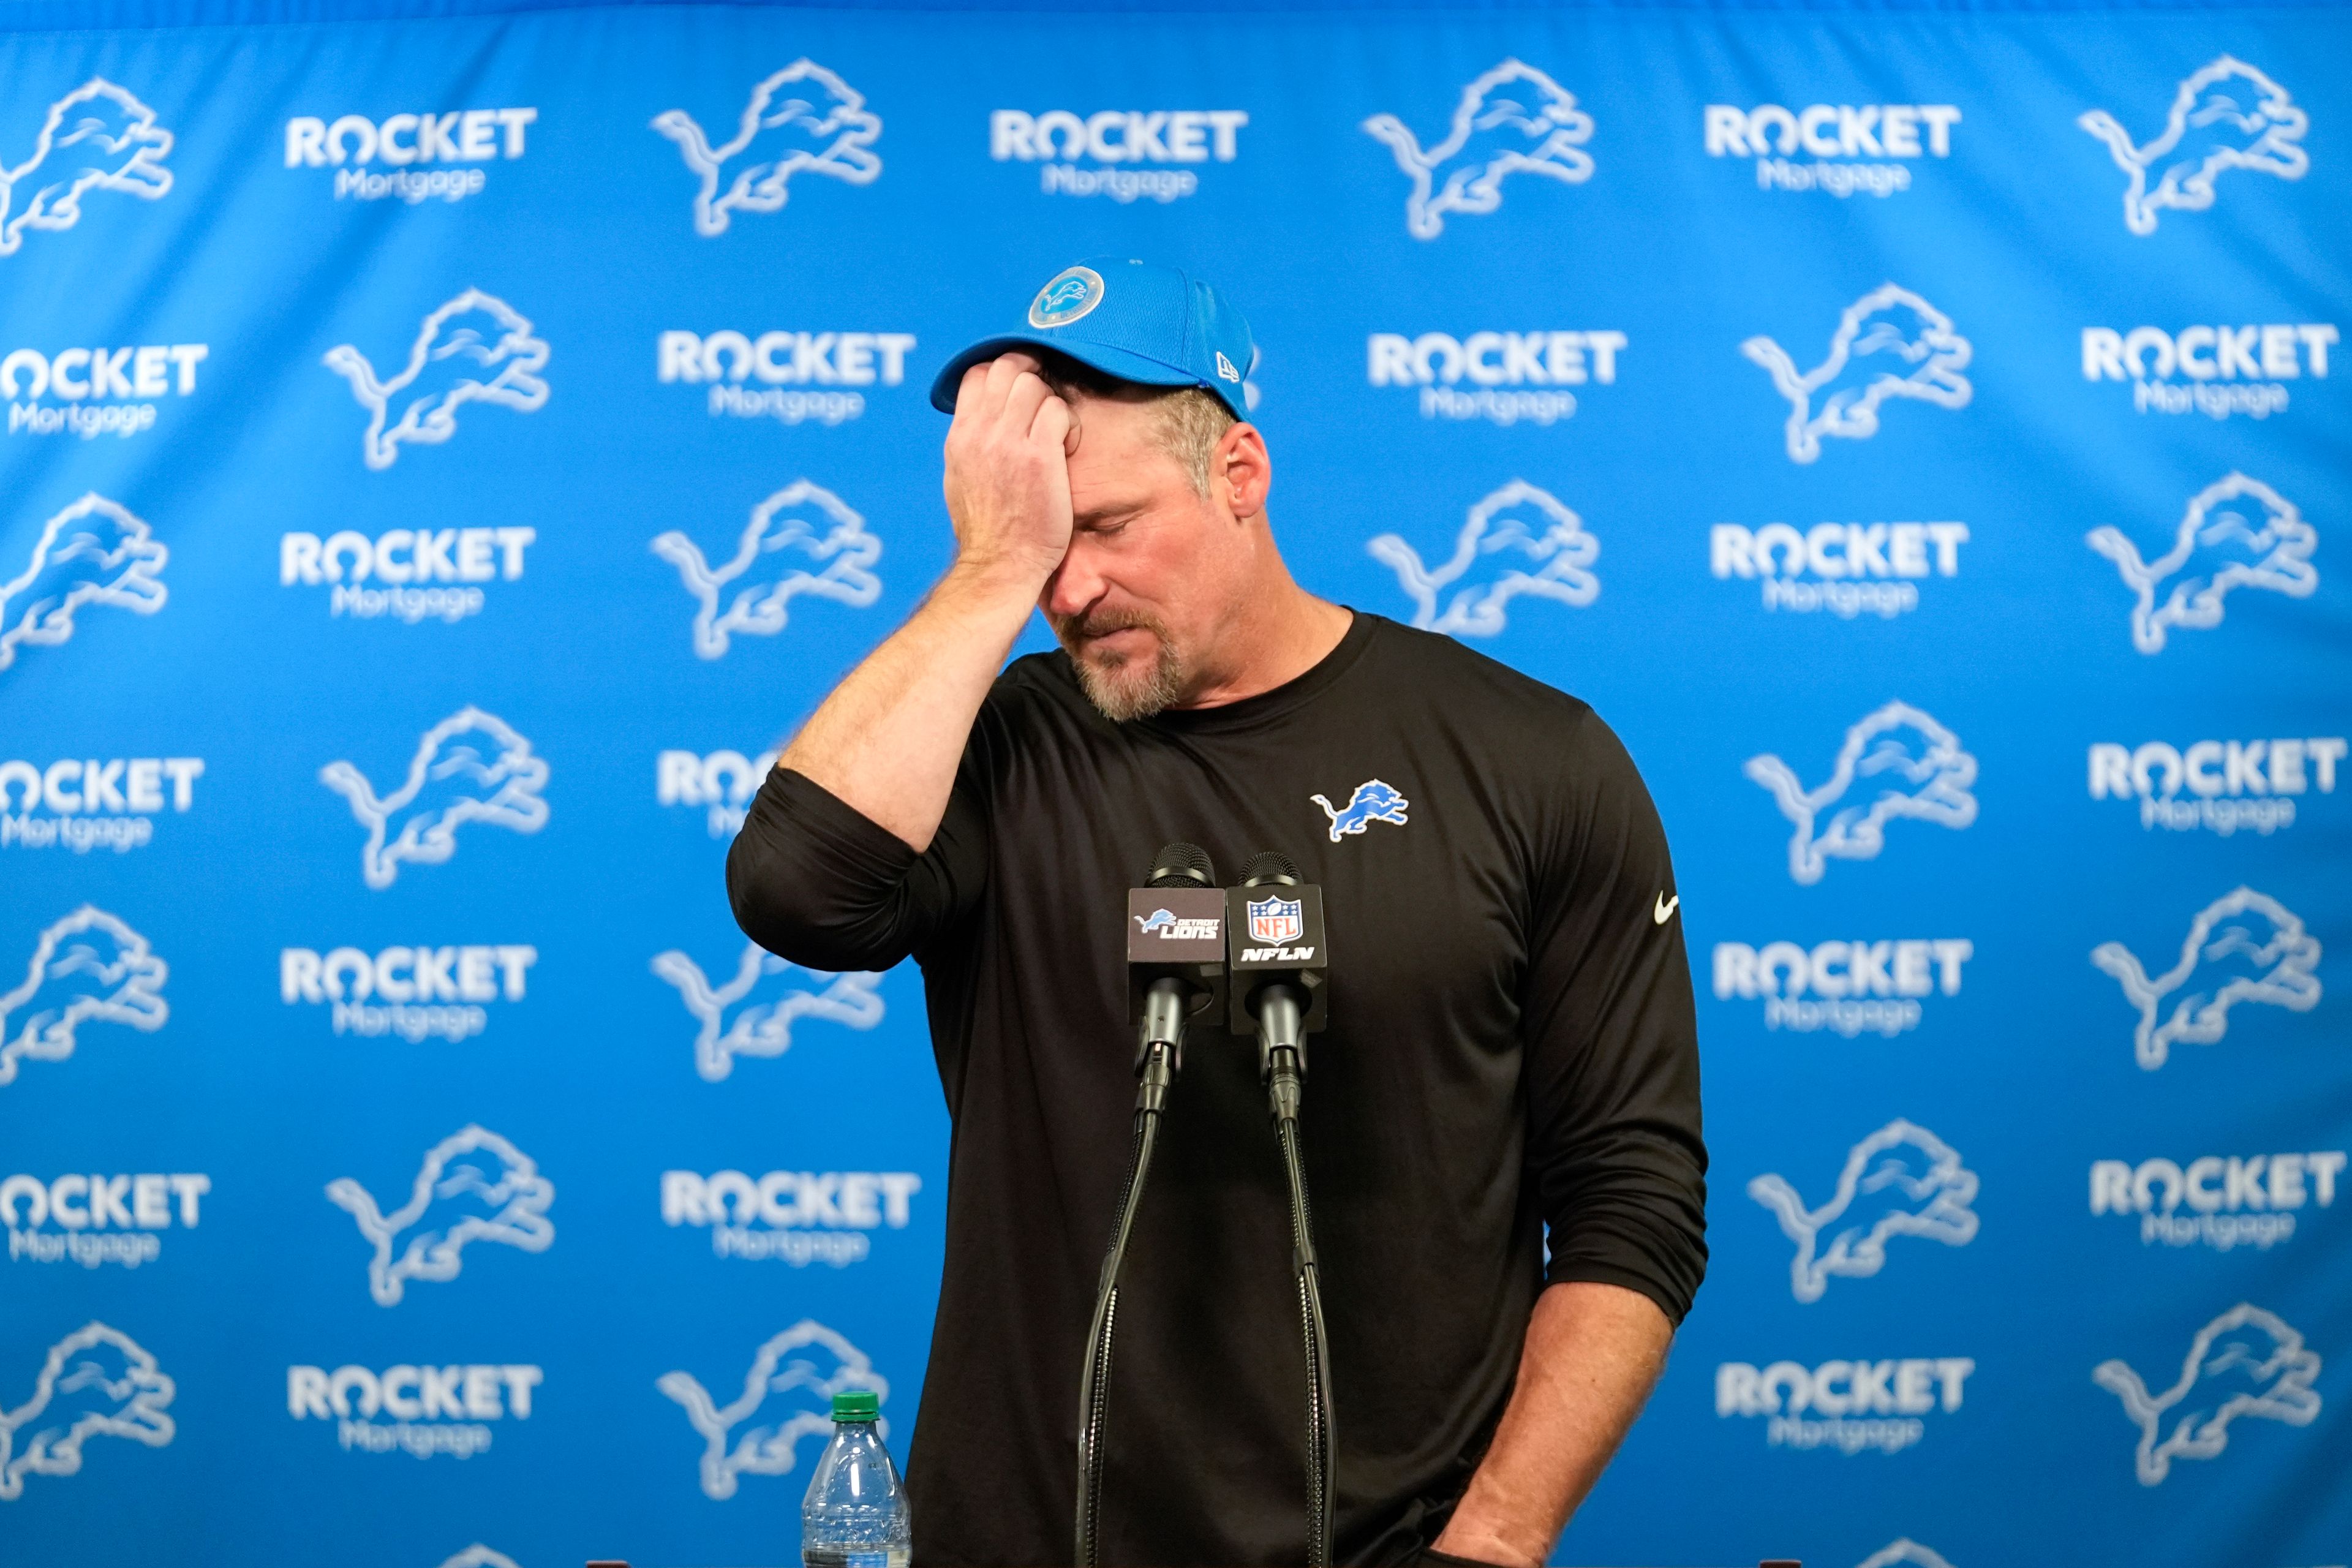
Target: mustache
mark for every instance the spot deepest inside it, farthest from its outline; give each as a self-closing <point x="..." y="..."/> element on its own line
<point x="1102" y="622"/>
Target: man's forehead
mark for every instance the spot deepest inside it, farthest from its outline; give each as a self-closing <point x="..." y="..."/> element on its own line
<point x="1120" y="450"/>
<point x="1118" y="418"/>
<point x="1120" y="491"/>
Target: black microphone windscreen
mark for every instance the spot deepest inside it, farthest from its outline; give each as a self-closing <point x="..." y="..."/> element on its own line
<point x="1182" y="866"/>
<point x="1272" y="865"/>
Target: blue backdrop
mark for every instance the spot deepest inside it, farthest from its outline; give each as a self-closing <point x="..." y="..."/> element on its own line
<point x="444" y="454"/>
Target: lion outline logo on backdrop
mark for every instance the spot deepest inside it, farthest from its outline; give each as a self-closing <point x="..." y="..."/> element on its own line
<point x="480" y="1557"/>
<point x="843" y="135"/>
<point x="1465" y="173"/>
<point x="1910" y="1182"/>
<point x="115" y="1390"/>
<point x="768" y="1449"/>
<point x="1904" y="1553"/>
<point x="2210" y="556"/>
<point x="2262" y="1366"/>
<point x="2276" y="962"/>
<point x="2265" y="137"/>
<point x="113" y="977"/>
<point x="507" y="795"/>
<point x="1888" y="343"/>
<point x="733" y="1025"/>
<point x="1925" y="756"/>
<point x="451" y="1205"/>
<point x="120" y="123"/>
<point x="497" y="334"/>
<point x="841" y="549"/>
<point x="114" y="562"/>
<point x="1553" y="542"/>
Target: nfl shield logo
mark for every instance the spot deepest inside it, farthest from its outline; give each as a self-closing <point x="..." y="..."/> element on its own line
<point x="1274" y="919"/>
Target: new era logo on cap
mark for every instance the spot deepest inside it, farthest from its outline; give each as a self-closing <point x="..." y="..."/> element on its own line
<point x="1132" y="321"/>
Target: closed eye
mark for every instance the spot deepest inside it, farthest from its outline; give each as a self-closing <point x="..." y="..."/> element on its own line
<point x="1111" y="521"/>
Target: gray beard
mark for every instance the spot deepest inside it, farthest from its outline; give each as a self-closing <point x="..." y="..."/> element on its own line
<point x="1124" y="690"/>
<point x="1129" y="690"/>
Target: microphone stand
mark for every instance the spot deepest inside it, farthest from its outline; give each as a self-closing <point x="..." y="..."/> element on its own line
<point x="1277" y="983"/>
<point x="1173" y="975"/>
<point x="1282" y="1060"/>
<point x="1159" y="1052"/>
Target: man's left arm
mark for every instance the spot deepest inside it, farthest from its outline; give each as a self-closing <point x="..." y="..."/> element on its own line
<point x="1614" y="1154"/>
<point x="1594" y="1352"/>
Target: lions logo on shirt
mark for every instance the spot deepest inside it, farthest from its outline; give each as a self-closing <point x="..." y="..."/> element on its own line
<point x="1372" y="802"/>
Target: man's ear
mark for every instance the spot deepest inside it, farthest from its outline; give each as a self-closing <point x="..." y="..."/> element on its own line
<point x="1240" y="472"/>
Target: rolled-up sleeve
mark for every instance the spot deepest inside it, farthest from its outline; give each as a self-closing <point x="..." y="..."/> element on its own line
<point x="814" y="880"/>
<point x="1615" y="1149"/>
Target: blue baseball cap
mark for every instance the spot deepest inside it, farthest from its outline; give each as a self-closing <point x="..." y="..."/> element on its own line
<point x="1156" y="326"/>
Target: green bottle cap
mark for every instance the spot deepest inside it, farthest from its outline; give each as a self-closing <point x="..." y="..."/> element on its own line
<point x="859" y="1404"/>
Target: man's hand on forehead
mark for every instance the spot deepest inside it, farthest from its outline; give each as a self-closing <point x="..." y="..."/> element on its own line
<point x="1016" y="365"/>
<point x="1008" y="478"/>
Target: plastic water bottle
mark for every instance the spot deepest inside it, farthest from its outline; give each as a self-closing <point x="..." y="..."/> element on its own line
<point x="855" y="1515"/>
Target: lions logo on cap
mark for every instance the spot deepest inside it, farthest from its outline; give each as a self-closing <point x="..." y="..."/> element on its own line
<point x="1071" y="293"/>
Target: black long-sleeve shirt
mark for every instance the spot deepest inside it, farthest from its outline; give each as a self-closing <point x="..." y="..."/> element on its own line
<point x="1511" y="1045"/>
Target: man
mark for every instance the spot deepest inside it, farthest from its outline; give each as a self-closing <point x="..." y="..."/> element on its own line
<point x="1511" y="1036"/>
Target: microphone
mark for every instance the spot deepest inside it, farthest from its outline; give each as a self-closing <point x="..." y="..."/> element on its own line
<point x="1175" y="952"/>
<point x="1175" y="972"/>
<point x="1280" y="960"/>
<point x="1277" y="985"/>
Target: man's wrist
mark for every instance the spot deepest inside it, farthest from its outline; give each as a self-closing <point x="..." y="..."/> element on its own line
<point x="1442" y="1557"/>
<point x="994" y="580"/>
<point x="1473" y="1541"/>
